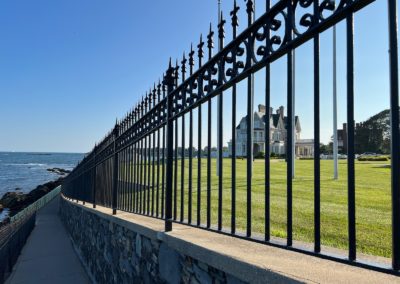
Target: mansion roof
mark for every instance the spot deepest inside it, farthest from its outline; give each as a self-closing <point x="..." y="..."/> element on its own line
<point x="275" y="117"/>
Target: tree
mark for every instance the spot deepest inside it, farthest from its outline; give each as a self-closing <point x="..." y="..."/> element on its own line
<point x="260" y="155"/>
<point x="326" y="149"/>
<point x="373" y="135"/>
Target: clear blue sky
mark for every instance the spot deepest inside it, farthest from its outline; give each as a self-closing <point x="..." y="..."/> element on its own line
<point x="69" y="68"/>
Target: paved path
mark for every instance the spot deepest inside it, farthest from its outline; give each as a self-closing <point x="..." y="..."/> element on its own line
<point x="48" y="255"/>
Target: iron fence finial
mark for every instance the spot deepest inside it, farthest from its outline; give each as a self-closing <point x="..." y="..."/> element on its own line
<point x="163" y="86"/>
<point x="200" y="48"/>
<point x="150" y="98"/>
<point x="159" y="90"/>
<point x="191" y="58"/>
<point x="249" y="6"/>
<point x="116" y="128"/>
<point x="154" y="93"/>
<point x="235" y="19"/>
<point x="176" y="73"/>
<point x="146" y="100"/>
<point x="169" y="77"/>
<point x="210" y="39"/>
<point x="221" y="27"/>
<point x="183" y="64"/>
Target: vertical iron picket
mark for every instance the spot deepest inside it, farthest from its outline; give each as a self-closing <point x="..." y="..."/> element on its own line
<point x="289" y="143"/>
<point x="221" y="35"/>
<point x="249" y="122"/>
<point x="267" y="138"/>
<point x="317" y="182"/>
<point x="169" y="82"/>
<point x="235" y="24"/>
<point x="115" y="171"/>
<point x="395" y="132"/>
<point x="350" y="138"/>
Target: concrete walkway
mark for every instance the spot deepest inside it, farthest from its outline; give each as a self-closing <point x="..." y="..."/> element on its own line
<point x="48" y="255"/>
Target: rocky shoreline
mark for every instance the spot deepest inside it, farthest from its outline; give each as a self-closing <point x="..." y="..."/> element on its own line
<point x="15" y="201"/>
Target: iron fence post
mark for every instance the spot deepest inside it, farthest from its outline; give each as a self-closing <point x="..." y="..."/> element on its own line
<point x="169" y="82"/>
<point x="395" y="132"/>
<point x="115" y="171"/>
<point x="249" y="125"/>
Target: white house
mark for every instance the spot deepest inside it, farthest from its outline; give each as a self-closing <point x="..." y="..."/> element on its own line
<point x="278" y="132"/>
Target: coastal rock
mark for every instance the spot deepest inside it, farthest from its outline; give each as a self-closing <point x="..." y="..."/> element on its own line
<point x="16" y="201"/>
<point x="38" y="192"/>
<point x="59" y="171"/>
<point x="12" y="199"/>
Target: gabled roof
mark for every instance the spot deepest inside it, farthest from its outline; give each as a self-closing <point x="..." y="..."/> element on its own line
<point x="275" y="119"/>
<point x="285" y="120"/>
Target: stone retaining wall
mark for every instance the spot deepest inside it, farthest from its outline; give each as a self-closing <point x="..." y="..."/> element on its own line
<point x="114" y="253"/>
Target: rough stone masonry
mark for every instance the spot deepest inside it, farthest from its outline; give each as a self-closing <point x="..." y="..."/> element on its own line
<point x="115" y="254"/>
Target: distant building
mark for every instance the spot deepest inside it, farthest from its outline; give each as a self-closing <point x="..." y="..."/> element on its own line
<point x="214" y="153"/>
<point x="342" y="139"/>
<point x="278" y="123"/>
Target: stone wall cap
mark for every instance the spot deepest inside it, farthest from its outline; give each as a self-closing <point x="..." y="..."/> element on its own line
<point x="248" y="261"/>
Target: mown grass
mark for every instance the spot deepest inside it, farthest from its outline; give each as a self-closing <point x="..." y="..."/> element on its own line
<point x="373" y="202"/>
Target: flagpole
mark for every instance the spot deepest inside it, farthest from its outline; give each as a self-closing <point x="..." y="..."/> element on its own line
<point x="335" y="138"/>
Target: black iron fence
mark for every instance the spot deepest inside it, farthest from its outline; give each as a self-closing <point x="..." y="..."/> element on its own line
<point x="16" y="230"/>
<point x="13" y="237"/>
<point x="150" y="164"/>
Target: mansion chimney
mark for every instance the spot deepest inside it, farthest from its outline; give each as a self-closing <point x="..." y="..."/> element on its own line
<point x="261" y="108"/>
<point x="281" y="111"/>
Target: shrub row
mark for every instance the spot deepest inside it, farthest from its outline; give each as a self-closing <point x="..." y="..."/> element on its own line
<point x="373" y="159"/>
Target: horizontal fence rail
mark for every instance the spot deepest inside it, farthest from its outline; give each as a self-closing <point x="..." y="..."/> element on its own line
<point x="150" y="163"/>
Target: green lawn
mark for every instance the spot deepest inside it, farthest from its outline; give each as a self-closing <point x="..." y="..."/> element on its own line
<point x="373" y="203"/>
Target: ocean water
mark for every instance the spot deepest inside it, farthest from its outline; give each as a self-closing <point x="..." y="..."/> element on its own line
<point x="27" y="170"/>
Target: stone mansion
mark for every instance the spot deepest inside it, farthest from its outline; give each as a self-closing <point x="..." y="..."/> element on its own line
<point x="278" y="131"/>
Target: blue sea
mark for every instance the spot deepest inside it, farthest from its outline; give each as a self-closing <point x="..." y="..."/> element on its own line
<point x="25" y="171"/>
